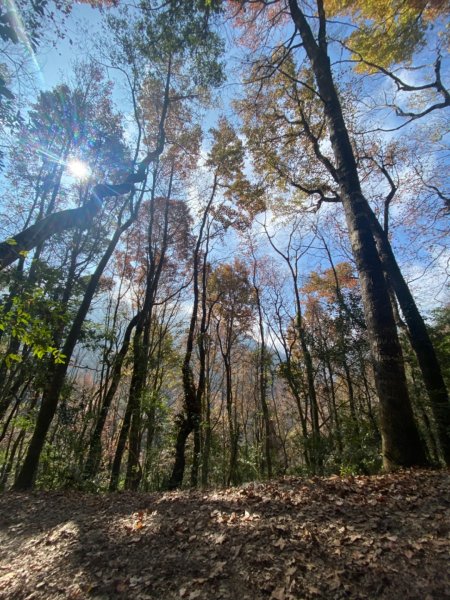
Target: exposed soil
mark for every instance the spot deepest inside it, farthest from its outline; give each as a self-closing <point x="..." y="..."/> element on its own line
<point x="362" y="537"/>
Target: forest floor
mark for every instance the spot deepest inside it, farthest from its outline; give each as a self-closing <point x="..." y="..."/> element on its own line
<point x="356" y="537"/>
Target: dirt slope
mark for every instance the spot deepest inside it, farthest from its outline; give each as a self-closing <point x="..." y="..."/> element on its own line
<point x="363" y="537"/>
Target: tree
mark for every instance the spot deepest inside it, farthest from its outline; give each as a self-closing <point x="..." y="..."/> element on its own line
<point x="150" y="323"/>
<point x="291" y="256"/>
<point x="55" y="281"/>
<point x="263" y="360"/>
<point x="193" y="394"/>
<point x="226" y="160"/>
<point x="231" y="292"/>
<point x="181" y="54"/>
<point x="336" y="328"/>
<point x="387" y="32"/>
<point x="401" y="442"/>
<point x="53" y="387"/>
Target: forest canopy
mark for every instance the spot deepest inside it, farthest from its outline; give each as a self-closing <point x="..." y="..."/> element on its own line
<point x="223" y="241"/>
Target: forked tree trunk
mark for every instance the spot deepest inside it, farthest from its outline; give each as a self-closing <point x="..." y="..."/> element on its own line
<point x="193" y="395"/>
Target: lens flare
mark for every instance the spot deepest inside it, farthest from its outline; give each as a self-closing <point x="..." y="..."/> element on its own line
<point x="15" y="20"/>
<point x="78" y="168"/>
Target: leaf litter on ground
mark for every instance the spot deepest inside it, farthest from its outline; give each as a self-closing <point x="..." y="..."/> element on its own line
<point x="295" y="538"/>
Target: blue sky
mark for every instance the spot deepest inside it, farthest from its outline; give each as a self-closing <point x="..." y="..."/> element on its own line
<point x="55" y="64"/>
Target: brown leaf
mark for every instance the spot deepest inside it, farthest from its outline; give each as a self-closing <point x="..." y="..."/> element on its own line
<point x="218" y="568"/>
<point x="291" y="571"/>
<point x="278" y="594"/>
<point x="219" y="538"/>
<point x="121" y="586"/>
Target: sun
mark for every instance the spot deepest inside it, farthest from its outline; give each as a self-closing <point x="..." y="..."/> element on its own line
<point x="78" y="168"/>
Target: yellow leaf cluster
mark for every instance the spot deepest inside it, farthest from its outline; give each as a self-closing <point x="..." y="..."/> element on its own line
<point x="388" y="31"/>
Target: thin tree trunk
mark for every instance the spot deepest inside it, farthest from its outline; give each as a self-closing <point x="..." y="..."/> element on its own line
<point x="262" y="368"/>
<point x="141" y="343"/>
<point x="206" y="451"/>
<point x="191" y="421"/>
<point x="232" y="466"/>
<point x="9" y="466"/>
<point x="95" y="446"/>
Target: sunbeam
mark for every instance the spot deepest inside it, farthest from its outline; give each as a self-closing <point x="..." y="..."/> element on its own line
<point x="16" y="22"/>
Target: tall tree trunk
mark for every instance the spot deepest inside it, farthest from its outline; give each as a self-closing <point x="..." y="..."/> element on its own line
<point x="204" y="345"/>
<point x="206" y="450"/>
<point x="191" y="420"/>
<point x="141" y="343"/>
<point x="262" y="369"/>
<point x="184" y="426"/>
<point x="315" y="453"/>
<point x="120" y="448"/>
<point x="95" y="445"/>
<point x="402" y="445"/>
<point x="419" y="339"/>
<point x="134" y="407"/>
<point x="52" y="391"/>
<point x="232" y="429"/>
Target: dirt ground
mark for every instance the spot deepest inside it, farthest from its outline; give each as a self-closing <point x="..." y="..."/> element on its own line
<point x="358" y="537"/>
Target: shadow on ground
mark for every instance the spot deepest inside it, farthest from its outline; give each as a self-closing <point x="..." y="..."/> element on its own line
<point x="364" y="537"/>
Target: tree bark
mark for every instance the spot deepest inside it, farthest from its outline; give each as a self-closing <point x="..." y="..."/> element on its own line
<point x="95" y="445"/>
<point x="27" y="474"/>
<point x="419" y="339"/>
<point x="401" y="444"/>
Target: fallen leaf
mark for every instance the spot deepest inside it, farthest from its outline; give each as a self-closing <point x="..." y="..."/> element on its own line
<point x="121" y="587"/>
<point x="219" y="538"/>
<point x="278" y="594"/>
<point x="291" y="571"/>
<point x="218" y="568"/>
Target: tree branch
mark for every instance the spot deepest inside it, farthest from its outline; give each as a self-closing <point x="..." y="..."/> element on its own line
<point x="18" y="245"/>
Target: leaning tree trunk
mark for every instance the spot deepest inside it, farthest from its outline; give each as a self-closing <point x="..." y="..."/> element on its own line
<point x="52" y="391"/>
<point x="95" y="445"/>
<point x="401" y="443"/>
<point x="419" y="338"/>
